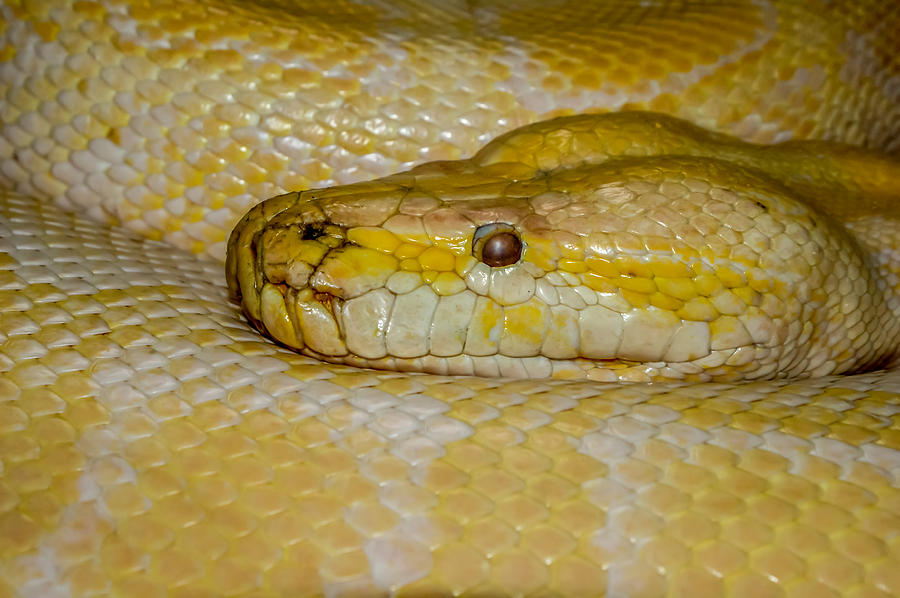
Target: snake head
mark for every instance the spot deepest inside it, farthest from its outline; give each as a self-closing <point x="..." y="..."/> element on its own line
<point x="629" y="268"/>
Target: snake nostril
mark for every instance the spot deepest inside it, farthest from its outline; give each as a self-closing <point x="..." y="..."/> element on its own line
<point x="324" y="232"/>
<point x="311" y="232"/>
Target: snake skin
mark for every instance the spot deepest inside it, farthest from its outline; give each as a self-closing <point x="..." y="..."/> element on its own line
<point x="152" y="444"/>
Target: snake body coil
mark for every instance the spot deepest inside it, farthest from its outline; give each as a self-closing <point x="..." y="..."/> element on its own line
<point x="153" y="444"/>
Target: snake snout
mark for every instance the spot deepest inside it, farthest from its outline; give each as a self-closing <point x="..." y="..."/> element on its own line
<point x="290" y="253"/>
<point x="277" y="246"/>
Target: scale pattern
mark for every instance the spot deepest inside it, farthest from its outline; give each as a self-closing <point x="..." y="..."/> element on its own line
<point x="152" y="444"/>
<point x="173" y="119"/>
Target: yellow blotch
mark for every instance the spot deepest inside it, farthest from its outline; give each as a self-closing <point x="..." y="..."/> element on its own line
<point x="638" y="285"/>
<point x="464" y="263"/>
<point x="356" y="141"/>
<point x="637" y="300"/>
<point x="234" y="152"/>
<point x="680" y="288"/>
<point x="410" y="265"/>
<point x="588" y="79"/>
<point x="250" y="173"/>
<point x="599" y="283"/>
<point x="373" y="238"/>
<point x="408" y="250"/>
<point x="224" y="59"/>
<point x="437" y="259"/>
<point x="210" y="127"/>
<point x="667" y="269"/>
<point x="758" y="283"/>
<point x="666" y="102"/>
<point x="311" y="251"/>
<point x="194" y="213"/>
<point x="553" y="83"/>
<point x="447" y="283"/>
<point x="316" y="170"/>
<point x="172" y="153"/>
<point x="94" y="10"/>
<point x="521" y="319"/>
<point x="7" y="53"/>
<point x="269" y="71"/>
<point x="152" y="201"/>
<point x="498" y="71"/>
<point x="173" y="224"/>
<point x="452" y="244"/>
<point x="167" y="57"/>
<point x="747" y="295"/>
<point x="629" y="266"/>
<point x="301" y="79"/>
<point x="665" y="302"/>
<point x="602" y="266"/>
<point x="293" y="180"/>
<point x="727" y="332"/>
<point x="486" y="317"/>
<point x="191" y="177"/>
<point x="358" y="264"/>
<point x="707" y="285"/>
<point x="539" y="259"/>
<point x="523" y="327"/>
<point x="230" y="185"/>
<point x="48" y="30"/>
<point x="209" y="163"/>
<point x="174" y="190"/>
<point x="341" y="87"/>
<point x="698" y="309"/>
<point x="271" y="161"/>
<point x="729" y="277"/>
<point x="575" y="266"/>
<point x="685" y="254"/>
<point x="542" y="244"/>
<point x="407" y="228"/>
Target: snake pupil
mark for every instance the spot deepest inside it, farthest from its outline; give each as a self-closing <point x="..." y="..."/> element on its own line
<point x="501" y="249"/>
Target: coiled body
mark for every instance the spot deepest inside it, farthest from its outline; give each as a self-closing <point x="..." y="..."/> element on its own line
<point x="153" y="444"/>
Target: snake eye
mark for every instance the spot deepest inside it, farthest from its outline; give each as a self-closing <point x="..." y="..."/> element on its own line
<point x="497" y="244"/>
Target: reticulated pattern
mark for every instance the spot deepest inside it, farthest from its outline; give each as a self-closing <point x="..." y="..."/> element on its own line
<point x="152" y="444"/>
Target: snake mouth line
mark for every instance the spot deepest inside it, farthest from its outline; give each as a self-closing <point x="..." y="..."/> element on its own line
<point x="333" y="304"/>
<point x="326" y="299"/>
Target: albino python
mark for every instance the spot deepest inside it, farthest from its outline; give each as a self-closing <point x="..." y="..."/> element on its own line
<point x="153" y="444"/>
